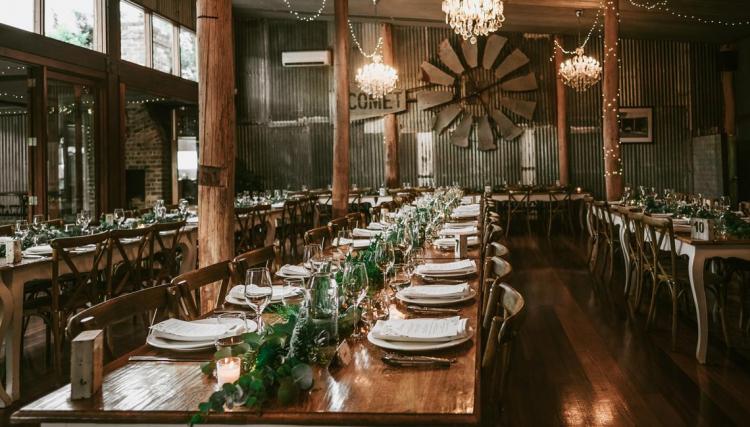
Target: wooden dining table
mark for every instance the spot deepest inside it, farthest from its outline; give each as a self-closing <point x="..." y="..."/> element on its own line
<point x="364" y="391"/>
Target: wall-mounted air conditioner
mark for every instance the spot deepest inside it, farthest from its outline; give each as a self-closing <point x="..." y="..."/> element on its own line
<point x="307" y="58"/>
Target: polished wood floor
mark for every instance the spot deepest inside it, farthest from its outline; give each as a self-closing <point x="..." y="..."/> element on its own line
<point x="583" y="358"/>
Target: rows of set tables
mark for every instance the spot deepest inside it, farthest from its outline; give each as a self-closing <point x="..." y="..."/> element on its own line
<point x="363" y="391"/>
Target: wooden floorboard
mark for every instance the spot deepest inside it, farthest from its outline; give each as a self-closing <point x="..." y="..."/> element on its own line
<point x="583" y="357"/>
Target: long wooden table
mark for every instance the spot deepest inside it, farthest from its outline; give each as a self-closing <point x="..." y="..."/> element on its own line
<point x="365" y="392"/>
<point x="15" y="276"/>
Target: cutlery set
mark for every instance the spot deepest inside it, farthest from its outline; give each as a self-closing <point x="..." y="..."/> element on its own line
<point x="398" y="360"/>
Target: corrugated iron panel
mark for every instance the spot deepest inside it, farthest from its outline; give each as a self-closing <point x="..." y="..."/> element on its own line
<point x="14" y="160"/>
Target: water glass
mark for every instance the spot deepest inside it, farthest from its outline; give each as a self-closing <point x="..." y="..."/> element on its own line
<point x="232" y="318"/>
<point x="344" y="242"/>
<point x="83" y="219"/>
<point x="310" y="254"/>
<point x="119" y="217"/>
<point x="399" y="276"/>
<point x="22" y="228"/>
<point x="258" y="292"/>
<point x="323" y="312"/>
<point x="37" y="223"/>
<point x="293" y="292"/>
<point x="183" y="207"/>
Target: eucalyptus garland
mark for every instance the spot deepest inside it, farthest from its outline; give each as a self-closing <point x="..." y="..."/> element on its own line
<point x="732" y="224"/>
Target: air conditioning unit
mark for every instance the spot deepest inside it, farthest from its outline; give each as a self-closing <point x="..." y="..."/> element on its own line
<point x="307" y="58"/>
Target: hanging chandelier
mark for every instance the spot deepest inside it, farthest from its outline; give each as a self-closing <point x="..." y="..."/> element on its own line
<point x="581" y="71"/>
<point x="376" y="78"/>
<point x="473" y="18"/>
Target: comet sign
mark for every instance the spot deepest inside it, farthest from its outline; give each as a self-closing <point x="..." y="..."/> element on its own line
<point x="363" y="106"/>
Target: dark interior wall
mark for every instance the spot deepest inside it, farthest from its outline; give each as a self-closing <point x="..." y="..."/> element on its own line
<point x="284" y="114"/>
<point x="742" y="97"/>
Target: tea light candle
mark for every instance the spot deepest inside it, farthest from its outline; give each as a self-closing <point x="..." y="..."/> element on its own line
<point x="578" y="190"/>
<point x="228" y="370"/>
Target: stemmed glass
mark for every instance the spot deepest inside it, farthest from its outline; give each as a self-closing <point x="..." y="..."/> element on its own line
<point x="355" y="285"/>
<point x="258" y="292"/>
<point x="384" y="256"/>
<point x="344" y="242"/>
<point x="83" y="219"/>
<point x="310" y="255"/>
<point x="183" y="207"/>
<point x="294" y="291"/>
<point x="399" y="277"/>
<point x="37" y="223"/>
<point x="22" y="229"/>
<point x="119" y="217"/>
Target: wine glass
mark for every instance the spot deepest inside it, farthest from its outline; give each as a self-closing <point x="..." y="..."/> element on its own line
<point x="258" y="292"/>
<point x="356" y="285"/>
<point x="310" y="254"/>
<point x="183" y="207"/>
<point x="293" y="292"/>
<point x="384" y="255"/>
<point x="119" y="217"/>
<point x="399" y="277"/>
<point x="344" y="242"/>
<point x="22" y="229"/>
<point x="37" y="222"/>
<point x="83" y="219"/>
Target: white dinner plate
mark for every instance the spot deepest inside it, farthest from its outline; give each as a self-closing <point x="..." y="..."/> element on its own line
<point x="188" y="346"/>
<point x="418" y="346"/>
<point x="436" y="302"/>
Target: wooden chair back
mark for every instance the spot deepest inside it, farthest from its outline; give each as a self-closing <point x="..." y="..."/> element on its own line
<point x="495" y="268"/>
<point x="659" y="239"/>
<point x="338" y="224"/>
<point x="146" y="306"/>
<point x="81" y="287"/>
<point x="495" y="249"/>
<point x="518" y="203"/>
<point x="129" y="273"/>
<point x="163" y="254"/>
<point x="356" y="219"/>
<point x="745" y="208"/>
<point x="189" y="286"/>
<point x="288" y="229"/>
<point x="263" y="257"/>
<point x="320" y="236"/>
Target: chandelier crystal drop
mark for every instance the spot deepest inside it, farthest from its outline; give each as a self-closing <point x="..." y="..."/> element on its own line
<point x="376" y="78"/>
<point x="473" y="18"/>
<point x="580" y="72"/>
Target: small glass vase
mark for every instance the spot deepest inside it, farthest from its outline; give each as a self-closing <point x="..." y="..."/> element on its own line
<point x="323" y="312"/>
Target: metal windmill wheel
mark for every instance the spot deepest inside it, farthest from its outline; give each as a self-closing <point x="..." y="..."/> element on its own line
<point x="469" y="92"/>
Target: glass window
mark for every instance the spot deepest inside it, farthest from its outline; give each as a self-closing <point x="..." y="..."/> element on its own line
<point x="188" y="67"/>
<point x="71" y="21"/>
<point x="162" y="43"/>
<point x="132" y="33"/>
<point x="20" y="15"/>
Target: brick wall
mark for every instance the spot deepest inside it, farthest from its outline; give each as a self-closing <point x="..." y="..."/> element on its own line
<point x="147" y="147"/>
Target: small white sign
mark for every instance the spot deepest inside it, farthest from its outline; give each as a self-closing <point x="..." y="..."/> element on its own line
<point x="701" y="229"/>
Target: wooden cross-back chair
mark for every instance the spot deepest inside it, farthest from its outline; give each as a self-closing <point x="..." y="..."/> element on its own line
<point x="559" y="207"/>
<point x="262" y="257"/>
<point x="518" y="205"/>
<point x="590" y="227"/>
<point x="607" y="240"/>
<point x="166" y="256"/>
<point x="338" y="224"/>
<point x="376" y="213"/>
<point x="253" y="227"/>
<point x="287" y="231"/>
<point x="495" y="268"/>
<point x="632" y="270"/>
<point x="189" y="286"/>
<point x="745" y="208"/>
<point x="320" y="235"/>
<point x="504" y="328"/>
<point x="76" y="288"/>
<point x="143" y="306"/>
<point x="323" y="205"/>
<point x="355" y="220"/>
<point x="130" y="272"/>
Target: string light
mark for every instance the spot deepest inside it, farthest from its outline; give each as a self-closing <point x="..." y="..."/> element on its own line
<point x="299" y="17"/>
<point x="662" y="6"/>
<point x="374" y="53"/>
<point x="12" y="95"/>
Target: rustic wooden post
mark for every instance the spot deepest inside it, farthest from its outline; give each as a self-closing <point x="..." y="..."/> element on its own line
<point x="730" y="123"/>
<point x="562" y="119"/>
<point x="611" y="102"/>
<point x="340" y="197"/>
<point x="216" y="122"/>
<point x="390" y="122"/>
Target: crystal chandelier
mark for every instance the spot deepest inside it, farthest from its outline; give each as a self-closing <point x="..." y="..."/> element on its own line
<point x="473" y="18"/>
<point x="580" y="72"/>
<point x="376" y="78"/>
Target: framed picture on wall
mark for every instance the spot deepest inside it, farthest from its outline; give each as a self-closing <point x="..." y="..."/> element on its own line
<point x="636" y="125"/>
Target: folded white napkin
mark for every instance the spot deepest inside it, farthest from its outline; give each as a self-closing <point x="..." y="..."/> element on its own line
<point x="238" y="292"/>
<point x="192" y="220"/>
<point x="41" y="249"/>
<point x="421" y="329"/>
<point x="437" y="291"/>
<point x="294" y="270"/>
<point x="447" y="267"/>
<point x="363" y="232"/>
<point x="277" y="205"/>
<point x="471" y="207"/>
<point x="180" y="330"/>
<point x="375" y="226"/>
<point x="458" y="231"/>
<point x="448" y="242"/>
<point x="460" y="224"/>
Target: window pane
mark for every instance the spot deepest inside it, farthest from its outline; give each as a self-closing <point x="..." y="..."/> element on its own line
<point x="20" y="15"/>
<point x="71" y="21"/>
<point x="162" y="33"/>
<point x="132" y="33"/>
<point x="188" y="70"/>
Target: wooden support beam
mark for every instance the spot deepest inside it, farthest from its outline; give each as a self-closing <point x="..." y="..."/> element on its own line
<point x="730" y="125"/>
<point x="340" y="198"/>
<point x="562" y="120"/>
<point x="611" y="102"/>
<point x="216" y="121"/>
<point x="390" y="121"/>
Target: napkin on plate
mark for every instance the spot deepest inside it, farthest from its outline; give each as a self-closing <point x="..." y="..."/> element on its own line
<point x="448" y="242"/>
<point x="363" y="232"/>
<point x="465" y="265"/>
<point x="294" y="270"/>
<point x="39" y="250"/>
<point x="460" y="224"/>
<point x="238" y="292"/>
<point x="180" y="330"/>
<point x="437" y="291"/>
<point x="458" y="231"/>
<point x="377" y="226"/>
<point x="421" y="329"/>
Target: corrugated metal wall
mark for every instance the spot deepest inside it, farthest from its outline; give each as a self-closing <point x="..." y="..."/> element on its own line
<point x="13" y="133"/>
<point x="284" y="113"/>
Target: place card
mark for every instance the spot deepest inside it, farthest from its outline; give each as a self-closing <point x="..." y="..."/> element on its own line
<point x="701" y="229"/>
<point x="86" y="364"/>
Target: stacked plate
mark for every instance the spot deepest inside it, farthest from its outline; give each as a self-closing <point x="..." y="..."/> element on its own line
<point x="38" y="251"/>
<point x="356" y="243"/>
<point x="461" y="268"/>
<point x="466" y="211"/>
<point x="422" y="334"/>
<point x="470" y="230"/>
<point x="436" y="295"/>
<point x="179" y="335"/>
<point x="236" y="295"/>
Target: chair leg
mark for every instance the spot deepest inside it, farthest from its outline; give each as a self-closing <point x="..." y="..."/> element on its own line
<point x="673" y="292"/>
<point x="652" y="307"/>
<point x="57" y="345"/>
<point x="549" y="223"/>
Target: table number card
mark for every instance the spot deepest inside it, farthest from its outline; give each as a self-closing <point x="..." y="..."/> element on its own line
<point x="701" y="229"/>
<point x="86" y="364"/>
<point x="12" y="250"/>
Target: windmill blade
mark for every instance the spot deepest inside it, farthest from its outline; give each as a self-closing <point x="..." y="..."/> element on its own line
<point x="512" y="62"/>
<point x="446" y="116"/>
<point x="471" y="52"/>
<point x="427" y="100"/>
<point x="492" y="48"/>
<point x="521" y="107"/>
<point x="449" y="57"/>
<point x="433" y="74"/>
<point x="521" y="84"/>
<point x="486" y="137"/>
<point x="460" y="136"/>
<point x="508" y="129"/>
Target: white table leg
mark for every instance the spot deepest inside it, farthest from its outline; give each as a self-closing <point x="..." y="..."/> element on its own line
<point x="696" y="267"/>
